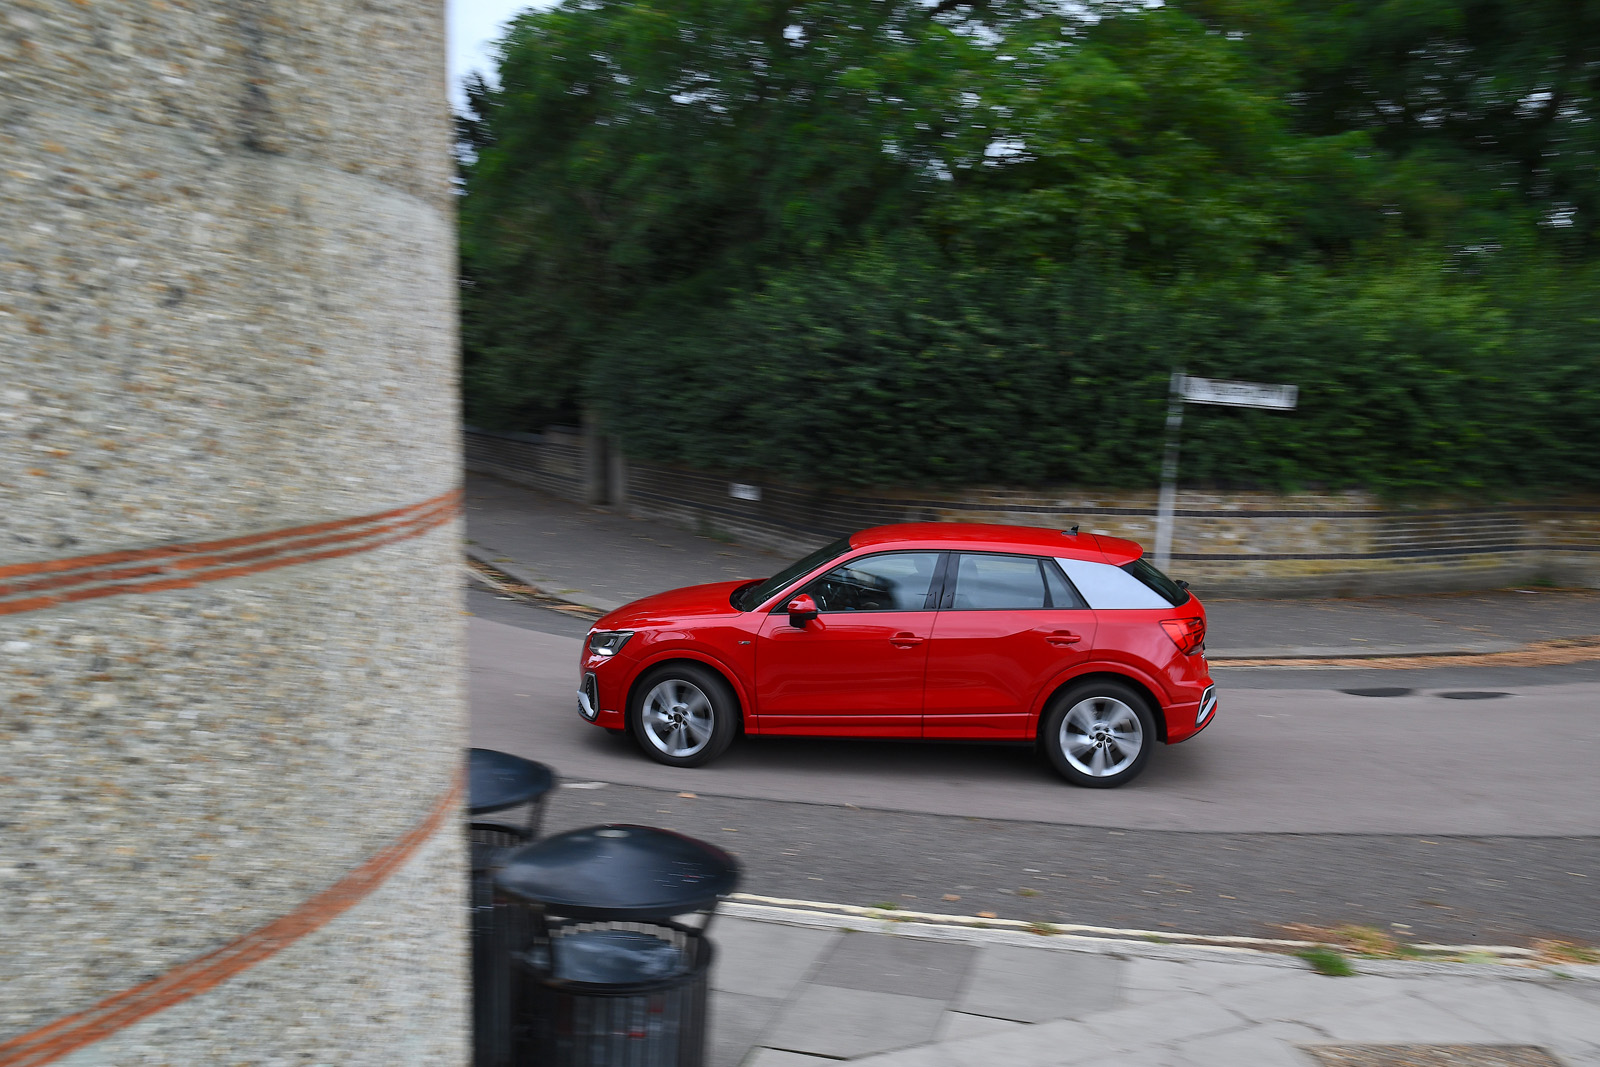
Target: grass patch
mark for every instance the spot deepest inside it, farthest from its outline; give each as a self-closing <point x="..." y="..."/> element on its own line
<point x="1328" y="961"/>
<point x="1042" y="929"/>
<point x="1565" y="952"/>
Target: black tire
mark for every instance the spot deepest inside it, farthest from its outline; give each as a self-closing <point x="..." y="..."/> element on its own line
<point x="683" y="714"/>
<point x="1106" y="718"/>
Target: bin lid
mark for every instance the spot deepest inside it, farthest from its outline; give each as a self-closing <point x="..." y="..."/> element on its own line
<point x="499" y="780"/>
<point x="619" y="871"/>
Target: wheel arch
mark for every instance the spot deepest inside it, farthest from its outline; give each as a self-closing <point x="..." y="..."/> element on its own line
<point x="669" y="658"/>
<point x="1100" y="673"/>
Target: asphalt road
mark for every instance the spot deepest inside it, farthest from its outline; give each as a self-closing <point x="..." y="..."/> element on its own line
<point x="1467" y="820"/>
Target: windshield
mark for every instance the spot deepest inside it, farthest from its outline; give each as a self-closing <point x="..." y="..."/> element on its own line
<point x="748" y="597"/>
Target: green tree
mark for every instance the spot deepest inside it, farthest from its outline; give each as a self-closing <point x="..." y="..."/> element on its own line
<point x="906" y="242"/>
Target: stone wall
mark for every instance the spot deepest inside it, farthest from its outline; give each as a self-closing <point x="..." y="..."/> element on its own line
<point x="230" y="634"/>
<point x="1235" y="544"/>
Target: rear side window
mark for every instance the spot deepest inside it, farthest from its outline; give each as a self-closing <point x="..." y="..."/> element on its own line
<point x="1109" y="588"/>
<point x="1165" y="587"/>
<point x="987" y="582"/>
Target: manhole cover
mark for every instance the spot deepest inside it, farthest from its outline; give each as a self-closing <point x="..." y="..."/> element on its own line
<point x="1432" y="1056"/>
<point x="1380" y="691"/>
<point x="1473" y="694"/>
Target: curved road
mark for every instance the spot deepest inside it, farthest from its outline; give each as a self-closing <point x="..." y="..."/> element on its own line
<point x="1463" y="820"/>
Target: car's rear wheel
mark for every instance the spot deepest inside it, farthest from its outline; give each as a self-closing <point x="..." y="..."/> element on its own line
<point x="1098" y="734"/>
<point x="683" y="714"/>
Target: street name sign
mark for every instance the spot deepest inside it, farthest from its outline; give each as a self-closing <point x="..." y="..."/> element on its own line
<point x="1237" y="394"/>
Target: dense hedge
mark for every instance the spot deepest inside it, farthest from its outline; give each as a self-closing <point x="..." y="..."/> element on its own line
<point x="884" y="371"/>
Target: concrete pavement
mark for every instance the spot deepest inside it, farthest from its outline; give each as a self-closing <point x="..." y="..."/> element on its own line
<point x="597" y="557"/>
<point x="807" y="991"/>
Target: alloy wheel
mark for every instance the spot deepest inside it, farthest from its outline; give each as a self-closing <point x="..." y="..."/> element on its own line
<point x="677" y="717"/>
<point x="1101" y="736"/>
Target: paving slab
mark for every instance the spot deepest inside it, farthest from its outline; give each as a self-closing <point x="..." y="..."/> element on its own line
<point x="1181" y="1015"/>
<point x="834" y="1021"/>
<point x="1287" y="998"/>
<point x="765" y="959"/>
<point x="1039" y="1045"/>
<point x="1431" y="1056"/>
<point x="737" y="1022"/>
<point x="1203" y="976"/>
<point x="1398" y="1020"/>
<point x="1265" y="1046"/>
<point x="958" y="1025"/>
<point x="772" y="1057"/>
<point x="1033" y="985"/>
<point x="1504" y="1008"/>
<point x="907" y="966"/>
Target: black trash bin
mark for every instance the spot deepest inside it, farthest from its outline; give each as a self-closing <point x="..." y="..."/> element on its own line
<point x="608" y="946"/>
<point x="511" y="789"/>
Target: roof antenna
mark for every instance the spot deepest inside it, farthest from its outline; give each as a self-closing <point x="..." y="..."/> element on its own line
<point x="1074" y="530"/>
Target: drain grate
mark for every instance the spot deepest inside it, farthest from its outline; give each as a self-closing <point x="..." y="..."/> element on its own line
<point x="1380" y="691"/>
<point x="1473" y="694"/>
<point x="1431" y="1056"/>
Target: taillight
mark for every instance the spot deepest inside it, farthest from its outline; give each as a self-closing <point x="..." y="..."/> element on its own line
<point x="1188" y="634"/>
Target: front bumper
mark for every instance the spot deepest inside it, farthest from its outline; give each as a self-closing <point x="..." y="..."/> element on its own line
<point x="589" y="697"/>
<point x="602" y="691"/>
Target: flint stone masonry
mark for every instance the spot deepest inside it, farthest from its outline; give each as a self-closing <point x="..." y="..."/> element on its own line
<point x="226" y="308"/>
<point x="1227" y="544"/>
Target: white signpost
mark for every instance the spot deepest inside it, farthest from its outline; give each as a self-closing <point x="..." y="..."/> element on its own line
<point x="1186" y="389"/>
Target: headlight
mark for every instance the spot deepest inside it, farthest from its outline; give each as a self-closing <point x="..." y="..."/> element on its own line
<point x="608" y="642"/>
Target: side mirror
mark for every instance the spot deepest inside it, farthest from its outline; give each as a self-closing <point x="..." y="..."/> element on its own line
<point x="802" y="609"/>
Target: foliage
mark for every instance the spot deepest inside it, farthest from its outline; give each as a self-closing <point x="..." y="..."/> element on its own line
<point x="907" y="242"/>
<point x="1325" y="960"/>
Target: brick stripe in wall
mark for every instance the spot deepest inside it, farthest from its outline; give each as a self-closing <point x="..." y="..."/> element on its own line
<point x="194" y="977"/>
<point x="52" y="583"/>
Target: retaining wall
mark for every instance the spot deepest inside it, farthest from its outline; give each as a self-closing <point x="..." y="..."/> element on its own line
<point x="1226" y="544"/>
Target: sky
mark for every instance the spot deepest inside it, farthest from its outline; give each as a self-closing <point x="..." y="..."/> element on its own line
<point x="473" y="26"/>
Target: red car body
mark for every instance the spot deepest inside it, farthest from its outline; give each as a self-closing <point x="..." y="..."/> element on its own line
<point x="942" y="669"/>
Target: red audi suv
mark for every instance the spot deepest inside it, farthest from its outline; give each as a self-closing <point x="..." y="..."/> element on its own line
<point x="954" y="631"/>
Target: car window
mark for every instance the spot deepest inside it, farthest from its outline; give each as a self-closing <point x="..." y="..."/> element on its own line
<point x="986" y="582"/>
<point x="1062" y="594"/>
<point x="1146" y="572"/>
<point x="751" y="596"/>
<point x="892" y="581"/>
<point x="1110" y="588"/>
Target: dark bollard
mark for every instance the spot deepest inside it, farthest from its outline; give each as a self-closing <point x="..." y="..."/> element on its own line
<point x="512" y="789"/>
<point x="608" y="946"/>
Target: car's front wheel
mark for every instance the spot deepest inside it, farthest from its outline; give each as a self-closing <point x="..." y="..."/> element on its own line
<point x="1098" y="734"/>
<point x="683" y="714"/>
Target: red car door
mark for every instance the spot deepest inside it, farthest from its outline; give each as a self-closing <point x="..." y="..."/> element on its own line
<point x="1007" y="626"/>
<point x="857" y="669"/>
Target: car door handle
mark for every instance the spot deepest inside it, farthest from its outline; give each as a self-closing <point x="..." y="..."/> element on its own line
<point x="1062" y="638"/>
<point x="905" y="640"/>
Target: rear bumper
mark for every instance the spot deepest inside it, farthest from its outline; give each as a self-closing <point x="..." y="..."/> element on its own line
<point x="1186" y="720"/>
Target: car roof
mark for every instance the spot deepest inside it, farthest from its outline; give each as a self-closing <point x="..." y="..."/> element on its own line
<point x="992" y="537"/>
